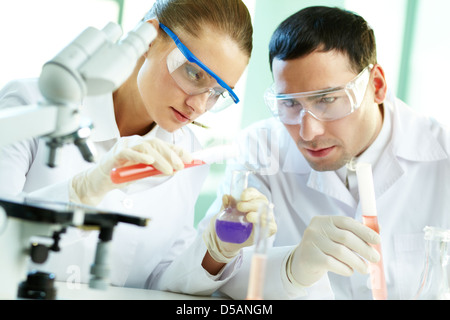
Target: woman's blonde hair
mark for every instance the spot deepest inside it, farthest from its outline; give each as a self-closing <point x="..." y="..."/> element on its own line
<point x="229" y="17"/>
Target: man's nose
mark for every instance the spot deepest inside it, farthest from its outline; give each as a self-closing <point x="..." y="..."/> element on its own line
<point x="310" y="127"/>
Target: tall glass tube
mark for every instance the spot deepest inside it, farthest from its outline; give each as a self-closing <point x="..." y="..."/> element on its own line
<point x="434" y="280"/>
<point x="257" y="277"/>
<point x="370" y="219"/>
<point x="231" y="224"/>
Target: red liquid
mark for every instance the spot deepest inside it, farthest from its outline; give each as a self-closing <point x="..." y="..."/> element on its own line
<point x="140" y="171"/>
<point x="377" y="277"/>
<point x="256" y="281"/>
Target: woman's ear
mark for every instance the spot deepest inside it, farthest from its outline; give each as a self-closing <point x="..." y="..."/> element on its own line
<point x="155" y="24"/>
<point x="379" y="81"/>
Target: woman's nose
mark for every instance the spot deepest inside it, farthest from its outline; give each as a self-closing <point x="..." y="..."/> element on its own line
<point x="198" y="102"/>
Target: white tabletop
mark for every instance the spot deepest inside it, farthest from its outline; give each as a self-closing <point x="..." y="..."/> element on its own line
<point x="70" y="291"/>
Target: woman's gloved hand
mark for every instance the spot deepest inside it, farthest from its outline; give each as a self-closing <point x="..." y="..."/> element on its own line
<point x="335" y="244"/>
<point x="251" y="200"/>
<point x="89" y="187"/>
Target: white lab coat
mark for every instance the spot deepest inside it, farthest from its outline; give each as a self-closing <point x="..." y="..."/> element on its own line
<point x="412" y="186"/>
<point x="169" y="201"/>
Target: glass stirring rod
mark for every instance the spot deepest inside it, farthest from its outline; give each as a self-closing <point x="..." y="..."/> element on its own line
<point x="370" y="219"/>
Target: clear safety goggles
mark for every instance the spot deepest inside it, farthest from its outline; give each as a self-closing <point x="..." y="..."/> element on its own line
<point x="195" y="78"/>
<point x="324" y="105"/>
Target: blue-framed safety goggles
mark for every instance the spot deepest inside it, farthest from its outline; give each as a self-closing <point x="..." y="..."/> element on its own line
<point x="194" y="77"/>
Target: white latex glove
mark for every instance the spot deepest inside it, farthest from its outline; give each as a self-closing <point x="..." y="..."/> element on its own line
<point x="335" y="244"/>
<point x="89" y="187"/>
<point x="224" y="252"/>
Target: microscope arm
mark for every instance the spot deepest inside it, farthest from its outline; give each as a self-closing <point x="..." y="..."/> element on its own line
<point x="25" y="122"/>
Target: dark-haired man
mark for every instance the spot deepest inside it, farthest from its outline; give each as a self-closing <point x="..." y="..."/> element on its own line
<point x="332" y="108"/>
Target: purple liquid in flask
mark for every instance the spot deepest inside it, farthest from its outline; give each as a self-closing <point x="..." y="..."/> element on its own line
<point x="234" y="231"/>
<point x="231" y="225"/>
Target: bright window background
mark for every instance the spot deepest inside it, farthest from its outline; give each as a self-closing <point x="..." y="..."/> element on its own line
<point x="414" y="58"/>
<point x="429" y="78"/>
<point x="389" y="35"/>
<point x="33" y="31"/>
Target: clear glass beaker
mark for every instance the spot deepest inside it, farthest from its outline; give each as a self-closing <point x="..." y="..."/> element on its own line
<point x="231" y="224"/>
<point x="434" y="280"/>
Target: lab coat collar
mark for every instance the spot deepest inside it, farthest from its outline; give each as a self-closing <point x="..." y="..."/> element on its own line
<point x="412" y="137"/>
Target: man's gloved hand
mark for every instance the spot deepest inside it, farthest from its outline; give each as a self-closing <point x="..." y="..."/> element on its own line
<point x="335" y="244"/>
<point x="89" y="187"/>
<point x="224" y="252"/>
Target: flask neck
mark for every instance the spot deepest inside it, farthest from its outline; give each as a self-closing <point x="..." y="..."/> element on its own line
<point x="239" y="182"/>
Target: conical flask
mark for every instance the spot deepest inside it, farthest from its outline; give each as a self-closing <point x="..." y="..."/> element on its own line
<point x="434" y="280"/>
<point x="231" y="225"/>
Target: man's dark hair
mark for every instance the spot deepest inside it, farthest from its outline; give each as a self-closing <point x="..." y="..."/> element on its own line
<point x="325" y="29"/>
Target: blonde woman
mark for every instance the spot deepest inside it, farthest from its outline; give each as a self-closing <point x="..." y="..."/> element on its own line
<point x="201" y="51"/>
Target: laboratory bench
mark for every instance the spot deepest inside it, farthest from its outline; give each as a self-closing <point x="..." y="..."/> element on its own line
<point x="71" y="291"/>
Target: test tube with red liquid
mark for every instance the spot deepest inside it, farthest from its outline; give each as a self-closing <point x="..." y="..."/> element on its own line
<point x="211" y="155"/>
<point x="141" y="171"/>
<point x="370" y="219"/>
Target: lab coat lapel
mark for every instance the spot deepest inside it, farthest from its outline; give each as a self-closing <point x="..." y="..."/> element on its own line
<point x="331" y="185"/>
<point x="411" y="140"/>
<point x="386" y="172"/>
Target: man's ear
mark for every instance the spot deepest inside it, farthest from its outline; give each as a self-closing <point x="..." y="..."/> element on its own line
<point x="379" y="82"/>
